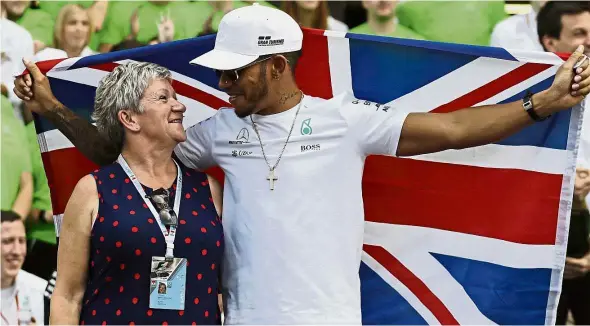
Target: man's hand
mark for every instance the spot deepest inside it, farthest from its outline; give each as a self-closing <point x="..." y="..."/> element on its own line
<point x="35" y="90"/>
<point x="576" y="267"/>
<point x="3" y="89"/>
<point x="165" y="29"/>
<point x="570" y="85"/>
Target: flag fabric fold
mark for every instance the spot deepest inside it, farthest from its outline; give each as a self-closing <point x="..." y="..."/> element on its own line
<point x="472" y="236"/>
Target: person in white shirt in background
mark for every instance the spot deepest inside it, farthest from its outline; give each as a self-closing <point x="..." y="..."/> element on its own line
<point x="22" y="292"/>
<point x="562" y="27"/>
<point x="73" y="30"/>
<point x="519" y="32"/>
<point x="16" y="44"/>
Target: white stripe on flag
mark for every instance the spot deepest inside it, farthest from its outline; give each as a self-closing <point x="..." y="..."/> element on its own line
<point x="455" y="84"/>
<point x="529" y="158"/>
<point x="396" y="238"/>
<point x="339" y="62"/>
<point x="84" y="76"/>
<point x="508" y="93"/>
<point x="62" y="66"/>
<point x="57" y="219"/>
<point x="400" y="288"/>
<point x="536" y="57"/>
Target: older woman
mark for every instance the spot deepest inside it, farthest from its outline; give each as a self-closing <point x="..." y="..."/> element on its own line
<point x="142" y="221"/>
<point x="73" y="30"/>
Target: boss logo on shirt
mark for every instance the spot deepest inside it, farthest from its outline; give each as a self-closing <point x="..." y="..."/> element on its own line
<point x="305" y="148"/>
<point x="378" y="107"/>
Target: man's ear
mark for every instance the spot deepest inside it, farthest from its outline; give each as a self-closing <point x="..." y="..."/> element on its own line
<point x="279" y="64"/>
<point x="549" y="43"/>
<point x="129" y="120"/>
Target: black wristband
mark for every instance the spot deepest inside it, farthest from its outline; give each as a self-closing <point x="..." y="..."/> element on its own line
<point x="528" y="105"/>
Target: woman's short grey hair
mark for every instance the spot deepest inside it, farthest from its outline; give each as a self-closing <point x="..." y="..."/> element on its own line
<point x="123" y="89"/>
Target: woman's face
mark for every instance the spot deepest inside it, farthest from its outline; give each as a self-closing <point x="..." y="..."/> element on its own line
<point x="163" y="114"/>
<point x="308" y="5"/>
<point x="76" y="27"/>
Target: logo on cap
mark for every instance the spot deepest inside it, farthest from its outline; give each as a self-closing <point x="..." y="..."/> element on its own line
<point x="267" y="41"/>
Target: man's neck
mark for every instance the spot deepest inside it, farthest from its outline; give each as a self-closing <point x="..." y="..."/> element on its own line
<point x="381" y="27"/>
<point x="152" y="164"/>
<point x="7" y="282"/>
<point x="285" y="100"/>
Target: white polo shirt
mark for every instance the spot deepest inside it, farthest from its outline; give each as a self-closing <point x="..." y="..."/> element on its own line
<point x="293" y="253"/>
<point x="29" y="291"/>
<point x="518" y="32"/>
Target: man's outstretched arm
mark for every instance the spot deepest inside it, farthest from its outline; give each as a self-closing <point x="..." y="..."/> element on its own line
<point x="35" y="91"/>
<point x="432" y="132"/>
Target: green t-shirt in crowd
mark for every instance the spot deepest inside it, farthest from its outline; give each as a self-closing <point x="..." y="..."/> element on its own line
<point x="14" y="156"/>
<point x="39" y="23"/>
<point x="237" y="4"/>
<point x="400" y="32"/>
<point x="467" y="22"/>
<point x="201" y="10"/>
<point x="41" y="230"/>
<point x="53" y="7"/>
<point x="41" y="195"/>
<point x="149" y="16"/>
<point x="117" y="24"/>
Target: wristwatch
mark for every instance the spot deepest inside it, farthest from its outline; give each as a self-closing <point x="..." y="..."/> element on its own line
<point x="527" y="104"/>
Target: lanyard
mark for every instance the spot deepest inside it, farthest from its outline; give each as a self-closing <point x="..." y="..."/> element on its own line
<point x="168" y="235"/>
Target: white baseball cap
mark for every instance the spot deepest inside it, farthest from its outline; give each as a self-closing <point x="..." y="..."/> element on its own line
<point x="249" y="32"/>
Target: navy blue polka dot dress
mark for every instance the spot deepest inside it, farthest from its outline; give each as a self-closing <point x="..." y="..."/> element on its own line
<point x="124" y="238"/>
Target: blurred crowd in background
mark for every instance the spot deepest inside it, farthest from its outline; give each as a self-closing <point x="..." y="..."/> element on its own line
<point x="44" y="30"/>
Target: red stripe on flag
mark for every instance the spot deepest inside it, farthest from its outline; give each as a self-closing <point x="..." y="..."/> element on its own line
<point x="462" y="198"/>
<point x="413" y="283"/>
<point x="45" y="66"/>
<point x="107" y="66"/>
<point x="313" y="69"/>
<point x="181" y="88"/>
<point x="64" y="168"/>
<point x="494" y="87"/>
<point x="199" y="95"/>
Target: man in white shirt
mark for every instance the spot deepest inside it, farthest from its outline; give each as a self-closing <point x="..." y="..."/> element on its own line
<point x="563" y="26"/>
<point x="519" y="32"/>
<point x="22" y="292"/>
<point x="293" y="211"/>
<point x="17" y="43"/>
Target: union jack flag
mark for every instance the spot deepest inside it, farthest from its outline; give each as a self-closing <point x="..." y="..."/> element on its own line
<point x="473" y="236"/>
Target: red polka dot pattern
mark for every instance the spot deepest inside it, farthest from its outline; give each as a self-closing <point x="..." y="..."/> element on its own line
<point x="126" y="238"/>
